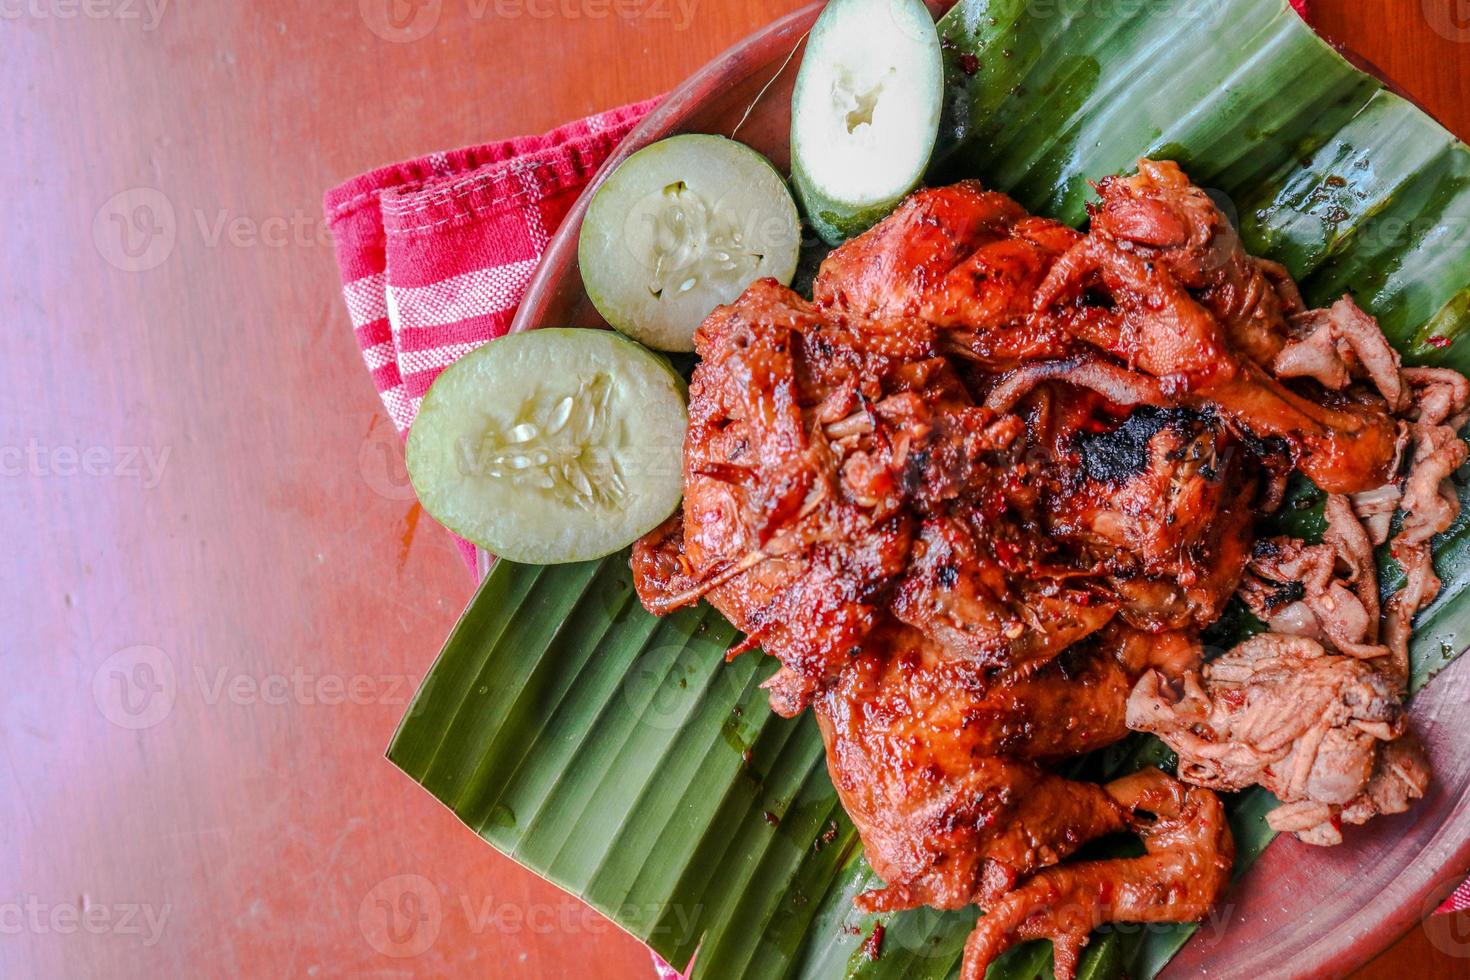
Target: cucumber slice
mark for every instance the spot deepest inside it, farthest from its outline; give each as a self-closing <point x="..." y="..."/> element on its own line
<point x="551" y="446"/>
<point x="681" y="227"/>
<point x="865" y="112"/>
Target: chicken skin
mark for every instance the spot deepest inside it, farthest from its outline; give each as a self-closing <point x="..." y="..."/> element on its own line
<point x="812" y="450"/>
<point x="1183" y="874"/>
<point x="1313" y="709"/>
<point x="942" y="765"/>
<point x="1159" y="216"/>
<point x="961" y="258"/>
<point x="1342" y="443"/>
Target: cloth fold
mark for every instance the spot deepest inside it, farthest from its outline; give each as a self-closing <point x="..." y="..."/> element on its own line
<point x="437" y="252"/>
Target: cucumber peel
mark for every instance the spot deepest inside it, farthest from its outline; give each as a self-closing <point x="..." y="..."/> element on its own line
<point x="865" y="112"/>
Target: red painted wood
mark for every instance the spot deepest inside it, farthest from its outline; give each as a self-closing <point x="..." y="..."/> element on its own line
<point x="218" y="592"/>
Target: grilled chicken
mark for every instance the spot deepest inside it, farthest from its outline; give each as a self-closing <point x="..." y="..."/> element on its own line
<point x="1159" y="216"/>
<point x="1165" y="502"/>
<point x="1345" y="444"/>
<point x="942" y="764"/>
<point x="1313" y="709"/>
<point x="980" y="495"/>
<point x="1277" y="711"/>
<point x="1183" y="874"/>
<point x="962" y="258"/>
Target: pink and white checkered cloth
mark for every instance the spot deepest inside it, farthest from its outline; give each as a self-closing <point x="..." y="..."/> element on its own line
<point x="436" y="254"/>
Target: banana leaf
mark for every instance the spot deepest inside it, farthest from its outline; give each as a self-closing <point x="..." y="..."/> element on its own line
<point x="618" y="756"/>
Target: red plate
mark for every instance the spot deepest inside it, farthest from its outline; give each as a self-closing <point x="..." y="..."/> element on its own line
<point x="1301" y="911"/>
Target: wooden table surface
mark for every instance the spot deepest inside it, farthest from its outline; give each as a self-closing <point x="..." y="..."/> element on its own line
<point x="220" y="593"/>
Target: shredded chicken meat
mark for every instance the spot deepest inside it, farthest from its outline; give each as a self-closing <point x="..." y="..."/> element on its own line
<point x="979" y="497"/>
<point x="1312" y="710"/>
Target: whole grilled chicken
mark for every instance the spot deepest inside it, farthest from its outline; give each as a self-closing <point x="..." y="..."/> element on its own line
<point x="994" y="479"/>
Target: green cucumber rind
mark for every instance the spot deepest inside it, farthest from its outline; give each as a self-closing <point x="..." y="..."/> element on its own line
<point x="835" y="220"/>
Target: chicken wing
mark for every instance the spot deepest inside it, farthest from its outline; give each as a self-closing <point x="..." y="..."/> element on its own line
<point x="1158" y="215"/>
<point x="962" y="258"/>
<point x="1345" y="443"/>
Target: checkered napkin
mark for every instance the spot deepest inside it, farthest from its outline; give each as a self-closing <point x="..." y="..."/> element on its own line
<point x="436" y="253"/>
